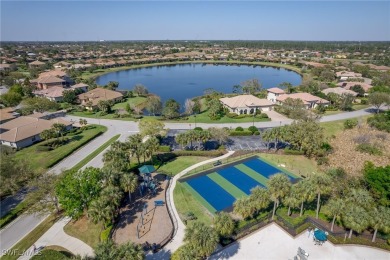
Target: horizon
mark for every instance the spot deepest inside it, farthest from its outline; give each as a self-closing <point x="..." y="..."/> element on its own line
<point x="94" y="21"/>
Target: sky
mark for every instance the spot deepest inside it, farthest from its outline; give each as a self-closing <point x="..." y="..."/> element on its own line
<point x="194" y="20"/>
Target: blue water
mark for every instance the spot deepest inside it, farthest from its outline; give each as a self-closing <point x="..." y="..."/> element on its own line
<point x="239" y="179"/>
<point x="212" y="192"/>
<point x="264" y="168"/>
<point x="190" y="80"/>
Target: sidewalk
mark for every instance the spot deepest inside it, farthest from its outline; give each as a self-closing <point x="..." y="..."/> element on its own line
<point x="56" y="236"/>
<point x="177" y="240"/>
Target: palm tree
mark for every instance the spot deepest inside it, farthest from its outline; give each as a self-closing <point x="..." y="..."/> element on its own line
<point x="202" y="238"/>
<point x="356" y="218"/>
<point x="291" y="200"/>
<point x="59" y="129"/>
<point x="182" y="139"/>
<point x="110" y="175"/>
<point x="224" y="224"/>
<point x="185" y="252"/>
<point x="380" y="220"/>
<point x="267" y="137"/>
<point x="134" y="143"/>
<point x="129" y="183"/>
<point x="305" y="193"/>
<point x="47" y="134"/>
<point x="260" y="198"/>
<point x="131" y="251"/>
<point x="99" y="212"/>
<point x="278" y="186"/>
<point x="360" y="197"/>
<point x="244" y="207"/>
<point x="321" y="183"/>
<point x="336" y="207"/>
<point x="83" y="122"/>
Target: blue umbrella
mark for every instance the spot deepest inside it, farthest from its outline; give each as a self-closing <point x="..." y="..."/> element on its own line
<point x="320" y="235"/>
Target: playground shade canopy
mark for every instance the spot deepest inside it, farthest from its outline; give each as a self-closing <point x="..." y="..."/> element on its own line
<point x="320" y="235"/>
<point x="146" y="169"/>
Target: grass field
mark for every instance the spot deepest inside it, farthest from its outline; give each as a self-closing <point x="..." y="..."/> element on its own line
<point x="204" y="118"/>
<point x="180" y="163"/>
<point x="43" y="160"/>
<point x="334" y="127"/>
<point x="84" y="230"/>
<point x="296" y="164"/>
<point x="134" y="101"/>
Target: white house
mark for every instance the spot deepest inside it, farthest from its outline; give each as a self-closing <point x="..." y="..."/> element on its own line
<point x="246" y="104"/>
<point x="273" y="93"/>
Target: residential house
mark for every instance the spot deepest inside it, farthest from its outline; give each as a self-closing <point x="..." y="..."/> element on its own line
<point x="348" y="85"/>
<point x="7" y="114"/>
<point x="82" y="86"/>
<point x="5" y="67"/>
<point x="345" y="75"/>
<point x="339" y="91"/>
<point x="25" y="130"/>
<point x="309" y="100"/>
<point x="246" y="104"/>
<point x="49" y="82"/>
<point x="36" y="64"/>
<point x="273" y="93"/>
<point x="52" y="93"/>
<point x="91" y="98"/>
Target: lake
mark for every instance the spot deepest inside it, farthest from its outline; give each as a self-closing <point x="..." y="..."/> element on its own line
<point x="184" y="81"/>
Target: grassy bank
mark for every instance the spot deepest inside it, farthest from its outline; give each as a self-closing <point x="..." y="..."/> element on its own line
<point x="334" y="127"/>
<point x="84" y="230"/>
<point x="42" y="160"/>
<point x="180" y="163"/>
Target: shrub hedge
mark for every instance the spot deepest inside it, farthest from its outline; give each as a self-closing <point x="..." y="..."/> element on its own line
<point x="241" y="133"/>
<point x="293" y="152"/>
<point x="213" y="153"/>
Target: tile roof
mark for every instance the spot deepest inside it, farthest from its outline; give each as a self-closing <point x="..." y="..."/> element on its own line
<point x="97" y="94"/>
<point x="305" y="97"/>
<point x="245" y="101"/>
<point x="29" y="128"/>
<point x="339" y="91"/>
<point x="276" y="90"/>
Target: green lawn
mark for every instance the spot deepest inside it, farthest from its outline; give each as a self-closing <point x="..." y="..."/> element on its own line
<point x="180" y="163"/>
<point x="354" y="107"/>
<point x="334" y="127"/>
<point x="42" y="160"/>
<point x="204" y="118"/>
<point x="296" y="164"/>
<point x="134" y="101"/>
<point x="88" y="114"/>
<point x="185" y="202"/>
<point x="84" y="230"/>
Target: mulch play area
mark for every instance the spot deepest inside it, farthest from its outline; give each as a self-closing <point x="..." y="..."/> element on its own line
<point x="145" y="219"/>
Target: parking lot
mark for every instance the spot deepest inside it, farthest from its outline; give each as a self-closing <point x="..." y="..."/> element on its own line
<point x="235" y="143"/>
<point x="247" y="143"/>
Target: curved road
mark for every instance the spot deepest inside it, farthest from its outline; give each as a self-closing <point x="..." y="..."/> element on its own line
<point x="19" y="228"/>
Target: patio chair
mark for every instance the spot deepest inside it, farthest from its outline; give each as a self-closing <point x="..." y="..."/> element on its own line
<point x="158" y="203"/>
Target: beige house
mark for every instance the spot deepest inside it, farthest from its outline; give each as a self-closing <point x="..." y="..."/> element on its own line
<point x="7" y="114"/>
<point x="345" y="75"/>
<point x="308" y="100"/>
<point x="339" y="91"/>
<point x="273" y="93"/>
<point x="25" y="130"/>
<point x="49" y="82"/>
<point x="36" y="64"/>
<point x="91" y="98"/>
<point x="53" y="94"/>
<point x="246" y="104"/>
<point x="348" y="85"/>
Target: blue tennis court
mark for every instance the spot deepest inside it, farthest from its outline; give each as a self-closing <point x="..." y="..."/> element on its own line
<point x="264" y="168"/>
<point x="215" y="195"/>
<point x="239" y="179"/>
<point x="219" y="193"/>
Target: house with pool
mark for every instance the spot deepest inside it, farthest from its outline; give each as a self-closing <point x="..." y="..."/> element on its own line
<point x="246" y="104"/>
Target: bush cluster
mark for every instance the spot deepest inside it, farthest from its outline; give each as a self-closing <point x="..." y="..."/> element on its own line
<point x="293" y="152"/>
<point x="213" y="153"/>
<point x="369" y="148"/>
<point x="350" y="123"/>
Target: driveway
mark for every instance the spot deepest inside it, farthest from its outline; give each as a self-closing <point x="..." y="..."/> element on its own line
<point x="275" y="116"/>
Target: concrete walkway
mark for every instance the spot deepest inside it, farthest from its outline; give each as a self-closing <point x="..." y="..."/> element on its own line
<point x="56" y="236"/>
<point x="177" y="240"/>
